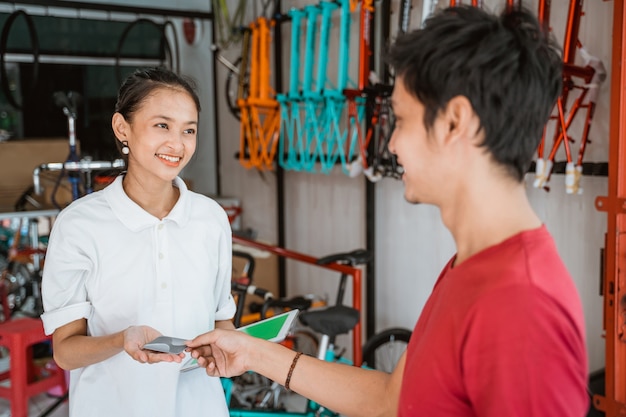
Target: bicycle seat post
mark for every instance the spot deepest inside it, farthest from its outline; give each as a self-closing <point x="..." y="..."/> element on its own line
<point x="68" y="102"/>
<point x="323" y="347"/>
<point x="342" y="289"/>
<point x="71" y="124"/>
<point x="73" y="156"/>
<point x="33" y="231"/>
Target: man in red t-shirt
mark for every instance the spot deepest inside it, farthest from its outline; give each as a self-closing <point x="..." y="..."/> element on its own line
<point x="502" y="333"/>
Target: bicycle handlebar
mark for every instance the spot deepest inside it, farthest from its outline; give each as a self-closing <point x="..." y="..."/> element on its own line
<point x="356" y="257"/>
<point x="84" y="165"/>
<point x="298" y="302"/>
<point x="252" y="290"/>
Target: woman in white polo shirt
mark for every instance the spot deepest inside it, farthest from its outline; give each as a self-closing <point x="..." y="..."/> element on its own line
<point x="144" y="257"/>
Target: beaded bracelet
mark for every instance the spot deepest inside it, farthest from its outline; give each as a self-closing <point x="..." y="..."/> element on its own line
<point x="293" y="366"/>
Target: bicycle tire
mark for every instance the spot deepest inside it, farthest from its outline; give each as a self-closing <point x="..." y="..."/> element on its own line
<point x="4" y="39"/>
<point x="231" y="87"/>
<point x="164" y="46"/>
<point x="383" y="350"/>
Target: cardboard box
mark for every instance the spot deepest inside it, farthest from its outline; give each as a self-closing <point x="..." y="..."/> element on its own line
<point x="18" y="159"/>
<point x="264" y="275"/>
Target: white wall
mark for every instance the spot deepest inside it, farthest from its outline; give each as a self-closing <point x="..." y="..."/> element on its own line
<point x="197" y="62"/>
<point x="326" y="213"/>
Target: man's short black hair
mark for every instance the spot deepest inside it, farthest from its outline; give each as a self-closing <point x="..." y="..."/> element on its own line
<point x="507" y="67"/>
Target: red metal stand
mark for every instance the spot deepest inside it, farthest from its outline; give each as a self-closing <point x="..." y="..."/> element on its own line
<point x="19" y="336"/>
<point x="613" y="403"/>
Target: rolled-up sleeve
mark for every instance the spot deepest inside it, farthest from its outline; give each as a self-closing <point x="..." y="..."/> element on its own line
<point x="54" y="319"/>
<point x="223" y="295"/>
<point x="66" y="268"/>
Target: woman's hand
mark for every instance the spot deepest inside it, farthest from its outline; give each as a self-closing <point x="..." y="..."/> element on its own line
<point x="135" y="337"/>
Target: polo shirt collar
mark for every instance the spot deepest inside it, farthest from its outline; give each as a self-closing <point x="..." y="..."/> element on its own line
<point x="136" y="218"/>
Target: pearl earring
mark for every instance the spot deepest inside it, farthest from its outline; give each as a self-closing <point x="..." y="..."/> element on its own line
<point x="125" y="148"/>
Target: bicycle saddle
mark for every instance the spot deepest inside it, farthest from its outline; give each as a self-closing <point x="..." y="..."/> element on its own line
<point x="331" y="321"/>
<point x="67" y="101"/>
<point x="356" y="257"/>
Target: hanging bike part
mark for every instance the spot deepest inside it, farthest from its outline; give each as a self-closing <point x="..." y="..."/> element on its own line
<point x="315" y="135"/>
<point x="237" y="84"/>
<point x="228" y="27"/>
<point x="260" y="112"/>
<point x="586" y="80"/>
<point x="357" y="97"/>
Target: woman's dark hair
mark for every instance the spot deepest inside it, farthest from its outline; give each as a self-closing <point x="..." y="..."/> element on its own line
<point x="506" y="66"/>
<point x="141" y="83"/>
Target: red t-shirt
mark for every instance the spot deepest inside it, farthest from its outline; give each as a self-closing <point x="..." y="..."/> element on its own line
<point x="502" y="335"/>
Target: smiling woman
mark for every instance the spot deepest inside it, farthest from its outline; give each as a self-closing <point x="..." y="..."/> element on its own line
<point x="158" y="128"/>
<point x="142" y="258"/>
<point x="161" y="138"/>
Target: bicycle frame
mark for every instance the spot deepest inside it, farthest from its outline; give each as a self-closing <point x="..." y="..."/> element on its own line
<point x="592" y="74"/>
<point x="382" y="163"/>
<point x="74" y="164"/>
<point x="226" y="24"/>
<point x="356" y="97"/>
<point x="260" y="112"/>
<point x="290" y="128"/>
<point x="312" y="131"/>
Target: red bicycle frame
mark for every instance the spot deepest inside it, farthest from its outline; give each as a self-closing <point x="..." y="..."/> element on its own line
<point x="591" y="75"/>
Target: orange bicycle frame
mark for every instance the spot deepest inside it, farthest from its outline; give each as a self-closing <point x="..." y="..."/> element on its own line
<point x="260" y="113"/>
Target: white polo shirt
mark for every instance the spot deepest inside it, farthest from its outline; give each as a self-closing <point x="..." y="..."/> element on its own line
<point x="112" y="263"/>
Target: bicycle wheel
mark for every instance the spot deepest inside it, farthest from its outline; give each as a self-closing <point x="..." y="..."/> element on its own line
<point x="18" y="279"/>
<point x="232" y="89"/>
<point x="383" y="350"/>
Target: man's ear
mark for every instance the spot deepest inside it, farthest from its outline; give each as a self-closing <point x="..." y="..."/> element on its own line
<point x="120" y="126"/>
<point x="461" y="120"/>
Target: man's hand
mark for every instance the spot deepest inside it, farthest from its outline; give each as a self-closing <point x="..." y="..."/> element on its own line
<point x="222" y="352"/>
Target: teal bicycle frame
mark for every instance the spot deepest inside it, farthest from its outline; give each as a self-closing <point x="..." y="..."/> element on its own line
<point x="311" y="120"/>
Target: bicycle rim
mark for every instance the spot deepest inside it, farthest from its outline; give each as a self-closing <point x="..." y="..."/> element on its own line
<point x="384" y="349"/>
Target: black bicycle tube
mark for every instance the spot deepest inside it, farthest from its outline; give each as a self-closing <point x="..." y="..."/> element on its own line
<point x="176" y="48"/>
